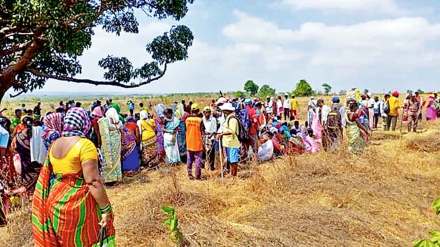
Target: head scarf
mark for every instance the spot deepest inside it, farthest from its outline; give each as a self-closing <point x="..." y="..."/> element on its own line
<point x="112" y="114"/>
<point x="97" y="112"/>
<point x="53" y="127"/>
<point x="143" y="115"/>
<point x="160" y="109"/>
<point x="395" y="94"/>
<point x="76" y="122"/>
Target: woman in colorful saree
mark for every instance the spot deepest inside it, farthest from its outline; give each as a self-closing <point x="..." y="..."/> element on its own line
<point x="357" y="134"/>
<point x="159" y="120"/>
<point x="431" y="110"/>
<point x="147" y="128"/>
<point x="170" y="137"/>
<point x="110" y="128"/>
<point x="130" y="147"/>
<point x="181" y="137"/>
<point x="70" y="206"/>
<point x="28" y="170"/>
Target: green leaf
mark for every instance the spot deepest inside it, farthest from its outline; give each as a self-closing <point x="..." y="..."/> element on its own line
<point x="425" y="243"/>
<point x="173" y="225"/>
<point x="435" y="237"/>
<point x="168" y="210"/>
<point x="436" y="206"/>
<point x="168" y="222"/>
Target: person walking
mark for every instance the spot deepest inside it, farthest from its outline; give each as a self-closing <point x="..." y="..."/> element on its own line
<point x="413" y="114"/>
<point x="70" y="205"/>
<point x="194" y="142"/>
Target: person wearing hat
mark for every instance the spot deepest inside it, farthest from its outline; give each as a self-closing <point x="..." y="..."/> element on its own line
<point x="194" y="142"/>
<point x="229" y="138"/>
<point x="393" y="115"/>
<point x="210" y="125"/>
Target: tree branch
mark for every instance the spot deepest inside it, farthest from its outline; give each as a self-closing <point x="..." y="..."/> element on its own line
<point x="17" y="94"/>
<point x="14" y="49"/>
<point x="96" y="83"/>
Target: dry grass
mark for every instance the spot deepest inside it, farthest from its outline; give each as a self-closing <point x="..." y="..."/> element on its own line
<point x="381" y="198"/>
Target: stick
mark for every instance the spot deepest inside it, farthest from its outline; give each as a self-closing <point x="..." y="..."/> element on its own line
<point x="221" y="157"/>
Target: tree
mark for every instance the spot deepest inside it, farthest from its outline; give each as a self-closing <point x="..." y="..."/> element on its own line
<point x="239" y="94"/>
<point x="43" y="39"/>
<point x="251" y="88"/>
<point x="303" y="88"/>
<point x="266" y="91"/>
<point x="327" y="88"/>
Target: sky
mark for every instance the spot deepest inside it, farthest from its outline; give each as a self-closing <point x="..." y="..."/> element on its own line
<point x="376" y="44"/>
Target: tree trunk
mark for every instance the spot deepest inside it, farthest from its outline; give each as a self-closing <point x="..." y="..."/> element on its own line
<point x="4" y="86"/>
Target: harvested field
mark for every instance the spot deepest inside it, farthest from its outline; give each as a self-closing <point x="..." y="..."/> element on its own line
<point x="381" y="198"/>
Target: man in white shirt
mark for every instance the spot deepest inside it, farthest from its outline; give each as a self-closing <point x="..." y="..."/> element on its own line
<point x="269" y="107"/>
<point x="370" y="105"/>
<point x="378" y="109"/>
<point x="210" y="125"/>
<point x="286" y="106"/>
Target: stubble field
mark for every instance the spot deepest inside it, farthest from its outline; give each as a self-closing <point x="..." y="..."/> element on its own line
<point x="380" y="198"/>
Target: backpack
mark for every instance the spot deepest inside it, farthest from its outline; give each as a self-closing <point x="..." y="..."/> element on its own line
<point x="244" y="119"/>
<point x="334" y="118"/>
<point x="243" y="135"/>
<point x="386" y="108"/>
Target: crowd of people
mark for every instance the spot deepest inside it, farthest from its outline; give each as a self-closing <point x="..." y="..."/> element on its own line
<point x="62" y="161"/>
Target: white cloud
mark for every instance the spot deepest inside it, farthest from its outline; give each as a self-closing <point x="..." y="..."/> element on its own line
<point x="402" y="51"/>
<point x="357" y="52"/>
<point x="364" y="43"/>
<point x="383" y="6"/>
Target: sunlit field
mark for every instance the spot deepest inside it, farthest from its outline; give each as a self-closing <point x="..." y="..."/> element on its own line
<point x="381" y="198"/>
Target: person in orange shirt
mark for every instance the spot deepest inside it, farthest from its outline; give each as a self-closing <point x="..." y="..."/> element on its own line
<point x="194" y="142"/>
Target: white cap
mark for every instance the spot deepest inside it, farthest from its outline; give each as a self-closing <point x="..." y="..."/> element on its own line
<point x="222" y="100"/>
<point x="227" y="107"/>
